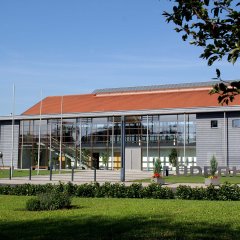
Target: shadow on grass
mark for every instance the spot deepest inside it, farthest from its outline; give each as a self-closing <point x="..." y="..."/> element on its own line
<point x="99" y="227"/>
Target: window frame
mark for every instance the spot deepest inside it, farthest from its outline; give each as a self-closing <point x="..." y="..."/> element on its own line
<point x="213" y="123"/>
<point x="234" y="125"/>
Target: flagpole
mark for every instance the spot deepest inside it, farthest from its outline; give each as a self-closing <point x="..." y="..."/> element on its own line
<point x="13" y="119"/>
<point x="39" y="134"/>
<point x="61" y="132"/>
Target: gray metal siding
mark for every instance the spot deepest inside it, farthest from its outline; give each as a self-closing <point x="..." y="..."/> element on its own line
<point x="233" y="144"/>
<point x="6" y="143"/>
<point x="210" y="141"/>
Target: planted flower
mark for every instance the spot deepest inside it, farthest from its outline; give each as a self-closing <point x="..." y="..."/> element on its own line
<point x="156" y="175"/>
<point x="157" y="170"/>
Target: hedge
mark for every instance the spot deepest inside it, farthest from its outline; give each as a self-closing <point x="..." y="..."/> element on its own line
<point x="225" y="192"/>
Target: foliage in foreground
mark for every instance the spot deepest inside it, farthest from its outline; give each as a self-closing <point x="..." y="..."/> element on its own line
<point x="94" y="190"/>
<point x="49" y="201"/>
<point x="214" y="27"/>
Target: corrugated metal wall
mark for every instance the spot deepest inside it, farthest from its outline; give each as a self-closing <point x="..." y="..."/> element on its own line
<point x="6" y="142"/>
<point x="223" y="141"/>
<point x="210" y="141"/>
<point x="233" y="140"/>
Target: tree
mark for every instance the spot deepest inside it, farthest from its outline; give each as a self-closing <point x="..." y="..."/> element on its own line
<point x="213" y="166"/>
<point x="214" y="26"/>
<point x="157" y="169"/>
<point x="105" y="158"/>
<point x="173" y="157"/>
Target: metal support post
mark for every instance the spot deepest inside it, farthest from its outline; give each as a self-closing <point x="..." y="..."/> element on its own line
<point x="95" y="174"/>
<point x="72" y="179"/>
<point x="30" y="173"/>
<point x="122" y="149"/>
<point x="10" y="173"/>
<point x="51" y="167"/>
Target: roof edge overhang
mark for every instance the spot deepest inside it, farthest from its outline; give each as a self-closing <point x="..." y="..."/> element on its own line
<point x="127" y="113"/>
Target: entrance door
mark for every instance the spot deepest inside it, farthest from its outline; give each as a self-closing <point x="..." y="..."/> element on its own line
<point x="133" y="158"/>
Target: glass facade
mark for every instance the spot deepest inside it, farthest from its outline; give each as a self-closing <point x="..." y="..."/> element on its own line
<point x="96" y="142"/>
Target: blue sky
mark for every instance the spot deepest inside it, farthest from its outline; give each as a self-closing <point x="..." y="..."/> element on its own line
<point x="76" y="46"/>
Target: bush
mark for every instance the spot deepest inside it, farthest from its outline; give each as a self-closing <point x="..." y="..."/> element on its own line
<point x="229" y="192"/>
<point x="49" y="201"/>
<point x="55" y="196"/>
<point x="86" y="190"/>
<point x="188" y="193"/>
<point x="134" y="191"/>
<point x="33" y="204"/>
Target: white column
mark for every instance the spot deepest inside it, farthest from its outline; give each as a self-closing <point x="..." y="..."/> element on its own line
<point x="13" y="120"/>
<point x="61" y="132"/>
<point x="112" y="142"/>
<point x="80" y="142"/>
<point x="147" y="144"/>
<point x="22" y="145"/>
<point x="39" y="133"/>
<point x="225" y="139"/>
<point x="184" y="138"/>
<point x="50" y="145"/>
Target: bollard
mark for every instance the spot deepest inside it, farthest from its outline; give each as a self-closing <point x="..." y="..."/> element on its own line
<point x="30" y="173"/>
<point x="72" y="174"/>
<point x="10" y="173"/>
<point x="50" y="177"/>
<point x="95" y="174"/>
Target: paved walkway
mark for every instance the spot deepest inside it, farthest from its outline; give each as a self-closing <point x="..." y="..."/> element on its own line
<point x="87" y="176"/>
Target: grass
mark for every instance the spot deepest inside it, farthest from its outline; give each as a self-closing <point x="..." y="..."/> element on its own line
<point x="4" y="173"/>
<point x="193" y="179"/>
<point x="121" y="219"/>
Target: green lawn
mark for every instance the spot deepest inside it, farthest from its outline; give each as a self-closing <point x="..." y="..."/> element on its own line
<point x="4" y="173"/>
<point x="122" y="219"/>
<point x="193" y="179"/>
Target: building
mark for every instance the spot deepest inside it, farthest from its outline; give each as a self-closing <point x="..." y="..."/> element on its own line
<point x="138" y="123"/>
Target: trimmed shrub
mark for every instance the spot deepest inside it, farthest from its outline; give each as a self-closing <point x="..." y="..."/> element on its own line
<point x="70" y="188"/>
<point x="54" y="200"/>
<point x="49" y="201"/>
<point x="118" y="190"/>
<point x="134" y="191"/>
<point x="188" y="193"/>
<point x="163" y="193"/>
<point x="33" y="204"/>
<point x="211" y="193"/>
<point x="229" y="192"/>
<point x="155" y="190"/>
<point x="86" y="190"/>
<point x="147" y="192"/>
<point x="184" y="192"/>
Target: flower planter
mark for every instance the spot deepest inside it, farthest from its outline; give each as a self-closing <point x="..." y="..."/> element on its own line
<point x="159" y="180"/>
<point x="213" y="181"/>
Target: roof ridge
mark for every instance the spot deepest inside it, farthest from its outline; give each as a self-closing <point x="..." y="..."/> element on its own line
<point x="157" y="87"/>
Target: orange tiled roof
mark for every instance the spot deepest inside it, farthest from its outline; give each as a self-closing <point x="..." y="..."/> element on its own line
<point x="125" y="102"/>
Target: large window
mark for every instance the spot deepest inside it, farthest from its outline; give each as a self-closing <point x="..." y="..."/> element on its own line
<point x="80" y="139"/>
